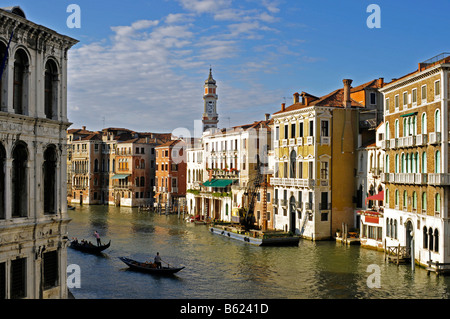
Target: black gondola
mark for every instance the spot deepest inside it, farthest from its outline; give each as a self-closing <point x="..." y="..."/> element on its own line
<point x="89" y="247"/>
<point x="149" y="267"/>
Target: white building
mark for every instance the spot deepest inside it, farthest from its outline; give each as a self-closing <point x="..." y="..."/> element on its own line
<point x="33" y="124"/>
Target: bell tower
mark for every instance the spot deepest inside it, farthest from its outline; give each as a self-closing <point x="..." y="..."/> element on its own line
<point x="210" y="117"/>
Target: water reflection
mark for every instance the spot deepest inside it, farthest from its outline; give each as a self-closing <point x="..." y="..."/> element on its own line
<point x="219" y="267"/>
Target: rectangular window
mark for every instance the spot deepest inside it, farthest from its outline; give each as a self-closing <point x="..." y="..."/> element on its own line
<point x="423" y="95"/>
<point x="277" y="133"/>
<point x="437" y="88"/>
<point x="18" y="287"/>
<point x="373" y="98"/>
<point x="268" y="197"/>
<point x="300" y="169"/>
<point x="293" y="130"/>
<point x="300" y="129"/>
<point x="414" y="96"/>
<point x="396" y="101"/>
<point x="324" y="201"/>
<point x="386" y="105"/>
<point x="324" y="128"/>
<point x="405" y="98"/>
<point x="311" y="128"/>
<point x="324" y="170"/>
<point x="51" y="269"/>
<point x="310" y="170"/>
<point x="286" y="131"/>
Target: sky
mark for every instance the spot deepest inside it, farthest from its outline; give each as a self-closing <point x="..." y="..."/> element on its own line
<point x="142" y="64"/>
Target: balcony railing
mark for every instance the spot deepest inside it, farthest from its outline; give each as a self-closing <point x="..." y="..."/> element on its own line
<point x="385" y="144"/>
<point x="310" y="140"/>
<point x="435" y="137"/>
<point x="292" y="182"/>
<point x="421" y="139"/>
<point x="439" y="179"/>
<point x="325" y="140"/>
<point x="393" y="142"/>
<point x="300" y="141"/>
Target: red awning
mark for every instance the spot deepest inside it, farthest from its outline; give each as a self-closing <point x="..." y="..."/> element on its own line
<point x="379" y="196"/>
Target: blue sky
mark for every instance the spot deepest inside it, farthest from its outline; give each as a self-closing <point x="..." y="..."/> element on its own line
<point x="141" y="64"/>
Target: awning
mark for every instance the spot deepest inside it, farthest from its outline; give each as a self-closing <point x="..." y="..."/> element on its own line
<point x="222" y="183"/>
<point x="409" y="114"/>
<point x="120" y="176"/>
<point x="379" y="196"/>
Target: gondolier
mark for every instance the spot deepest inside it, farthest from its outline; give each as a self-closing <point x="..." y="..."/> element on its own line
<point x="97" y="236"/>
<point x="158" y="260"/>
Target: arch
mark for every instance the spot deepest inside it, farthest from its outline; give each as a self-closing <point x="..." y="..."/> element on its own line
<point x="49" y="173"/>
<point x="436" y="240"/>
<point x="51" y="89"/>
<point x="437" y="120"/>
<point x="430" y="239"/>
<point x="437" y="203"/>
<point x="425" y="237"/>
<point x="424" y="123"/>
<point x="20" y="77"/>
<point x="19" y="181"/>
<point x="424" y="201"/>
<point x="388" y="227"/>
<point x="3" y="52"/>
<point x="437" y="162"/>
<point x="424" y="162"/>
<point x="2" y="181"/>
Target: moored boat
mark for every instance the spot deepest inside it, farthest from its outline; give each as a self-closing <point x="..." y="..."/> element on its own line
<point x="149" y="267"/>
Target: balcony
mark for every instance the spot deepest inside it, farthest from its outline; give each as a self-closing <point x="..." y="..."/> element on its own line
<point x="385" y="178"/>
<point x="292" y="141"/>
<point x="438" y="179"/>
<point x="421" y="139"/>
<point x="292" y="182"/>
<point x="284" y="142"/>
<point x="283" y="202"/>
<point x="420" y="178"/>
<point x="308" y="206"/>
<point x="435" y="138"/>
<point x="409" y="141"/>
<point x="325" y="140"/>
<point x="310" y="140"/>
<point x="300" y="141"/>
<point x="385" y="144"/>
<point x="393" y="143"/>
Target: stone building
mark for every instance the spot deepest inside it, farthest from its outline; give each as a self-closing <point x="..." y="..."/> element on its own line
<point x="115" y="166"/>
<point x="416" y="171"/>
<point x="33" y="124"/>
<point x="315" y="140"/>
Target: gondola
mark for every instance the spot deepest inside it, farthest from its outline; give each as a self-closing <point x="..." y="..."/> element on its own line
<point x="89" y="247"/>
<point x="149" y="267"/>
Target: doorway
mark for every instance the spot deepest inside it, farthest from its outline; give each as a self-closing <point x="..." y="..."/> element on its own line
<point x="292" y="211"/>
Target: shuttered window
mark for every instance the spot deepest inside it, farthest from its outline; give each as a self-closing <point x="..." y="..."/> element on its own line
<point x="18" y="278"/>
<point x="51" y="269"/>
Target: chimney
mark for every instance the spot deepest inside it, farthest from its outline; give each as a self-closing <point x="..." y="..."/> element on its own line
<point x="283" y="106"/>
<point x="347" y="87"/>
<point x="296" y="99"/>
<point x="380" y="82"/>
<point x="83" y="128"/>
<point x="267" y="115"/>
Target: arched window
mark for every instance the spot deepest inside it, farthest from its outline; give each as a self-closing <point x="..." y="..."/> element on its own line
<point x="437" y="207"/>
<point x="405" y="199"/>
<point x="387" y="197"/>
<point x="49" y="171"/>
<point x="430" y="238"/>
<point x="19" y="181"/>
<point x="391" y="226"/>
<point x="403" y="163"/>
<point x="395" y="229"/>
<point x="20" y="78"/>
<point x="386" y="166"/>
<point x="424" y="162"/>
<point x="96" y="165"/>
<point x="2" y="181"/>
<point x="396" y="164"/>
<point x="397" y="198"/>
<point x="424" y="202"/>
<point x="293" y="164"/>
<point x="437" y="121"/>
<point x="387" y="133"/>
<point x="50" y="90"/>
<point x="424" y="123"/>
<point x="397" y="131"/>
<point x="414" y="201"/>
<point x="142" y="181"/>
<point x="388" y="227"/>
<point x="405" y="126"/>
<point x="425" y="237"/>
<point x="3" y="51"/>
<point x="437" y="162"/>
<point x="436" y="240"/>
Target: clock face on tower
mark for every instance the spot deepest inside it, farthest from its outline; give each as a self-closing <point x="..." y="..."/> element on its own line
<point x="210" y="107"/>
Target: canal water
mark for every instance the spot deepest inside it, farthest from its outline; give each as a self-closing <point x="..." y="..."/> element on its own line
<point x="223" y="268"/>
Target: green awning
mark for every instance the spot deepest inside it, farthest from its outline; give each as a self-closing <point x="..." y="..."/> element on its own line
<point x="218" y="183"/>
<point x="409" y="114"/>
<point x="120" y="176"/>
<point x="222" y="182"/>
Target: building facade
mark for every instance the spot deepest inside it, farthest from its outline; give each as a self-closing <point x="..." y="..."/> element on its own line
<point x="33" y="124"/>
<point x="416" y="174"/>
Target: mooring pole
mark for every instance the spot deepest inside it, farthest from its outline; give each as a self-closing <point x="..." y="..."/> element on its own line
<point x="413" y="263"/>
